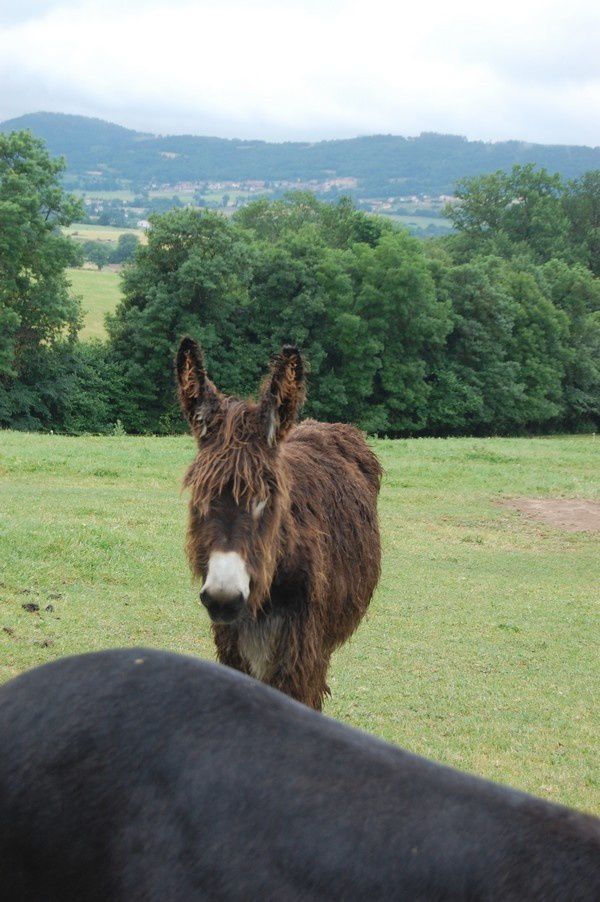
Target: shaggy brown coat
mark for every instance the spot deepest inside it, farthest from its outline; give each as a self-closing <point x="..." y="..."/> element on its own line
<point x="312" y="552"/>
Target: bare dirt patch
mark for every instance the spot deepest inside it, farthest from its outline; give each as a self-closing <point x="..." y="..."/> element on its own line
<point x="568" y="514"/>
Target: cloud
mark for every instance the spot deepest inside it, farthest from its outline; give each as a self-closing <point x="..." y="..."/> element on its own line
<point x="311" y="69"/>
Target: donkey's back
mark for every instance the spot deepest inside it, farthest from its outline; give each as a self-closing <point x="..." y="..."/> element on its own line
<point x="139" y="775"/>
<point x="334" y="482"/>
<point x="339" y="444"/>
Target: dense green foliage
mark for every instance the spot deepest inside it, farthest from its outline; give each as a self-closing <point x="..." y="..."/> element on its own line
<point x="583" y="210"/>
<point x="100" y="254"/>
<point x="327" y="278"/>
<point x="384" y="165"/>
<point x="96" y="252"/>
<point x="39" y="319"/>
<point x="495" y="329"/>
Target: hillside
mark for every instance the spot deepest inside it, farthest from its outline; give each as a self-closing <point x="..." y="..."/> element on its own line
<point x="104" y="155"/>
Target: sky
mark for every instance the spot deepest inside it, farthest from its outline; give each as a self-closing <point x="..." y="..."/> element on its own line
<point x="310" y="69"/>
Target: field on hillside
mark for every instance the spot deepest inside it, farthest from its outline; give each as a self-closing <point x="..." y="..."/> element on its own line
<point x="481" y="646"/>
<point x="117" y="194"/>
<point x="186" y="196"/>
<point x="83" y="231"/>
<point x="100" y="292"/>
<point x="420" y="222"/>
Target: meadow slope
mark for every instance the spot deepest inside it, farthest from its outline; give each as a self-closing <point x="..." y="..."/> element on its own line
<point x="481" y="646"/>
<point x="100" y="292"/>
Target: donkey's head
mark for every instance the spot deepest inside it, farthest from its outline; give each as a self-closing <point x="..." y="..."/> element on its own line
<point x="238" y="488"/>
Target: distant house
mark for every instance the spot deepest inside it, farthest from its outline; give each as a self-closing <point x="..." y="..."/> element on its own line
<point x="143" y="224"/>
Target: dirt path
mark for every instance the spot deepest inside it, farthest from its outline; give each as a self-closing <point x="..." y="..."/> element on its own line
<point x="568" y="514"/>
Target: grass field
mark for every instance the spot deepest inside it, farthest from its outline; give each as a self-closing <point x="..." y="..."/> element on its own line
<point x="420" y="222"/>
<point x="118" y="194"/>
<point x="216" y="197"/>
<point x="481" y="645"/>
<point x="100" y="291"/>
<point x="186" y="196"/>
<point x="83" y="231"/>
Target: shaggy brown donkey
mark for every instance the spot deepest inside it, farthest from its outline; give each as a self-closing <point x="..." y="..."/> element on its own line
<point x="282" y="528"/>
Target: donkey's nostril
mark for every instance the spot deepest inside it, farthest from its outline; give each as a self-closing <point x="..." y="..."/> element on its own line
<point x="222" y="598"/>
<point x="220" y="610"/>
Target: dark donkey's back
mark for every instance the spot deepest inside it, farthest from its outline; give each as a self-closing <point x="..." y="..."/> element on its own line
<point x="139" y="775"/>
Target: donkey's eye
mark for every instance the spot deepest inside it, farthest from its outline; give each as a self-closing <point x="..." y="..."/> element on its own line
<point x="257" y="508"/>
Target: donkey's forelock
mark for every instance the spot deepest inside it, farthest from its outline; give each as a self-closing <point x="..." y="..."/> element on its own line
<point x="234" y="456"/>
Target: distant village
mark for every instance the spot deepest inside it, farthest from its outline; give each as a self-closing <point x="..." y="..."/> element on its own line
<point x="128" y="208"/>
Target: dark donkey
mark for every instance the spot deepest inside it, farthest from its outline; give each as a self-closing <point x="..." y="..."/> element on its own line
<point x="148" y="777"/>
<point x="282" y="527"/>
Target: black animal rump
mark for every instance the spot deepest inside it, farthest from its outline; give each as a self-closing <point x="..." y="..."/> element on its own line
<point x="136" y="775"/>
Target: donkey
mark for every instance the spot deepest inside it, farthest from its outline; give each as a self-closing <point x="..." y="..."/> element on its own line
<point x="282" y="527"/>
<point x="135" y="775"/>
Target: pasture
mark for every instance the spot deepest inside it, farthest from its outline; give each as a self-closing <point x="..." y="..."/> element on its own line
<point x="100" y="292"/>
<point x="420" y="222"/>
<point x="83" y="231"/>
<point x="123" y="194"/>
<point x="481" y="646"/>
<point x="127" y="196"/>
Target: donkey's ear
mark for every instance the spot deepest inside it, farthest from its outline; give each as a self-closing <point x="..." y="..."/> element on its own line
<point x="283" y="393"/>
<point x="198" y="396"/>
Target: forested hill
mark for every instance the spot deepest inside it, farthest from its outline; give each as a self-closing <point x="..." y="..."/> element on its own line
<point x="382" y="164"/>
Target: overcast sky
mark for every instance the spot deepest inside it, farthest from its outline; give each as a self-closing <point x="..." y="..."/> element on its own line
<point x="527" y="69"/>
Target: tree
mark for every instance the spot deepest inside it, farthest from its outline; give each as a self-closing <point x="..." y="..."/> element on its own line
<point x="125" y="249"/>
<point x="338" y="225"/>
<point x="97" y="252"/>
<point x="301" y="292"/>
<point x="582" y="206"/>
<point x="356" y="294"/>
<point x="192" y="277"/>
<point x="93" y="393"/>
<point x="502" y="367"/>
<point x="575" y="291"/>
<point x="397" y="304"/>
<point x="538" y="348"/>
<point x="38" y="315"/>
<point x="510" y="214"/>
<point x="474" y="384"/>
<point x="398" y="341"/>
<point x="363" y="311"/>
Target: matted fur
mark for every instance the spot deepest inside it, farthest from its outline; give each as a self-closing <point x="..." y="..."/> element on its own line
<point x="314" y="553"/>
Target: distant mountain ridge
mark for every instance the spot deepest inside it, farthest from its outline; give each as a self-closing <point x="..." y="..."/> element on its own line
<point x="383" y="164"/>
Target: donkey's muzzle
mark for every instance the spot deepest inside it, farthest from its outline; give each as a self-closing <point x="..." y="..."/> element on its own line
<point x="221" y="611"/>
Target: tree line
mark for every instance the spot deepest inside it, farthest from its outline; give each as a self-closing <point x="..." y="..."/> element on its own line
<point x="493" y="329"/>
<point x="101" y="254"/>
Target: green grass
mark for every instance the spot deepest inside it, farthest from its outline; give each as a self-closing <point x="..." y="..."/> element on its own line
<point x="186" y="196"/>
<point x="118" y="194"/>
<point x="100" y="292"/>
<point x="420" y="222"/>
<point x="481" y="645"/>
<point x="83" y="231"/>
